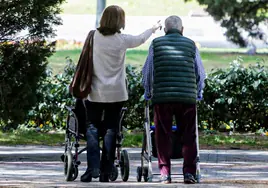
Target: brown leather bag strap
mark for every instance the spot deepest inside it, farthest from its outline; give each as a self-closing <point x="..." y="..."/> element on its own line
<point x="87" y="62"/>
<point x="81" y="83"/>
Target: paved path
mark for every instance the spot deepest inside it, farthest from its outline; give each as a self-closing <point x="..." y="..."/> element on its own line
<point x="47" y="153"/>
<point x="50" y="174"/>
<point x="35" y="166"/>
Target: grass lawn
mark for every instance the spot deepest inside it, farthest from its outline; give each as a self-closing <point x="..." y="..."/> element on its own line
<point x="240" y="141"/>
<point x="133" y="7"/>
<point x="211" y="59"/>
<point x="31" y="138"/>
<point x="214" y="141"/>
<point x="207" y="141"/>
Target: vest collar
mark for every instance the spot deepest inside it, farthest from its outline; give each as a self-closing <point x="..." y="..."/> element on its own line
<point x="171" y="31"/>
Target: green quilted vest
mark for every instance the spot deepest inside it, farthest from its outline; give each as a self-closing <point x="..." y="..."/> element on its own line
<point x="174" y="69"/>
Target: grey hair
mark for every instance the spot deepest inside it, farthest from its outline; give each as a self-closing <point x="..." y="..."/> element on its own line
<point x="173" y="22"/>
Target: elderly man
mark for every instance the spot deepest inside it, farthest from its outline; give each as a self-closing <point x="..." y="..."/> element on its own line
<point x="173" y="77"/>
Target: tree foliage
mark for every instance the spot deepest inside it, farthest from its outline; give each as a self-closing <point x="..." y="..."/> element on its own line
<point x="239" y="16"/>
<point x="25" y="25"/>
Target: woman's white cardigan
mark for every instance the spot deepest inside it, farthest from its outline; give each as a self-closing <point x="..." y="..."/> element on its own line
<point x="109" y="74"/>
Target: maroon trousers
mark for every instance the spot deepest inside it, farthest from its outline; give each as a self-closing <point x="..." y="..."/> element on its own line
<point x="185" y="116"/>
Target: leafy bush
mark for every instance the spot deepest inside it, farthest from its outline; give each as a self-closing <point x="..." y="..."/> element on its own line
<point x="135" y="115"/>
<point x="233" y="98"/>
<point x="53" y="97"/>
<point x="25" y="26"/>
<point x="237" y="95"/>
<point x="22" y="66"/>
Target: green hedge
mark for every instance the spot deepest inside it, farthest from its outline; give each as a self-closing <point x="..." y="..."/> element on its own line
<point x="22" y="68"/>
<point x="54" y="96"/>
<point x="236" y="96"/>
<point x="233" y="97"/>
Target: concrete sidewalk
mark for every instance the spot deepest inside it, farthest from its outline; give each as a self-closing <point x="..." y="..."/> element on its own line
<point x="28" y="166"/>
<point x="48" y="153"/>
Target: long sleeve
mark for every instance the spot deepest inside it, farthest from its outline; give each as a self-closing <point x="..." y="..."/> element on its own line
<point x="200" y="75"/>
<point x="147" y="72"/>
<point x="131" y="41"/>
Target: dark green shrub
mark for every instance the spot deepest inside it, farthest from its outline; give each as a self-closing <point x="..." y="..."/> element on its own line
<point x="53" y="96"/>
<point x="233" y="97"/>
<point x="21" y="66"/>
<point x="23" y="57"/>
<point x="237" y="94"/>
<point x="135" y="115"/>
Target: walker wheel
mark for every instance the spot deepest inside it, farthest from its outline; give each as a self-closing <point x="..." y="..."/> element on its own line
<point x="70" y="171"/>
<point x="74" y="173"/>
<point x="139" y="174"/>
<point x="124" y="165"/>
<point x="145" y="174"/>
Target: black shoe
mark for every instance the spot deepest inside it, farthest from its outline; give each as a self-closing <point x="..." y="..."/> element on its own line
<point x="89" y="174"/>
<point x="86" y="177"/>
<point x="166" y="179"/>
<point x="104" y="177"/>
<point x="189" y="178"/>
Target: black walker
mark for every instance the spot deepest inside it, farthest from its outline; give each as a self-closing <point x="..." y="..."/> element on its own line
<point x="72" y="152"/>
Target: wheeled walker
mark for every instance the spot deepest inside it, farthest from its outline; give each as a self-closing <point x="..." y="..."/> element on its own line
<point x="149" y="150"/>
<point x="70" y="158"/>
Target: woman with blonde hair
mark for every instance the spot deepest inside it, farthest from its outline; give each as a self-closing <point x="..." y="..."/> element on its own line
<point x="108" y="89"/>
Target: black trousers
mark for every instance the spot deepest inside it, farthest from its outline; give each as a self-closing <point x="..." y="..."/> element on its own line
<point x="102" y="120"/>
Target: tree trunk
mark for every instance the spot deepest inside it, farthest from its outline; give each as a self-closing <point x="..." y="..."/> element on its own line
<point x="101" y="4"/>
